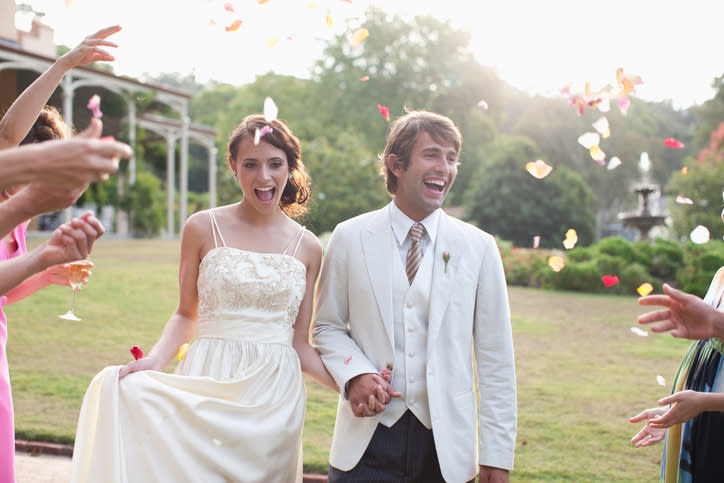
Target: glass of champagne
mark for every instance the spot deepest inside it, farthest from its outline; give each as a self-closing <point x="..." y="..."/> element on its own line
<point x="77" y="272"/>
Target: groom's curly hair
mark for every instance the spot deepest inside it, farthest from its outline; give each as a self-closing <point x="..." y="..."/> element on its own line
<point x="296" y="192"/>
<point x="403" y="134"/>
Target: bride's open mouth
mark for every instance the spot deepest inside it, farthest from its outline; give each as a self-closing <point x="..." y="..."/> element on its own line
<point x="266" y="194"/>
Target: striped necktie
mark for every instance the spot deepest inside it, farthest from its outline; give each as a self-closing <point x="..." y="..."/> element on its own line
<point x="414" y="255"/>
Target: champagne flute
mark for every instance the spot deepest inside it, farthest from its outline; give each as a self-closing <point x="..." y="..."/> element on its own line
<point x="77" y="272"/>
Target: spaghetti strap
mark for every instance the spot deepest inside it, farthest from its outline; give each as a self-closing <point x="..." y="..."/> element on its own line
<point x="215" y="229"/>
<point x="298" y="237"/>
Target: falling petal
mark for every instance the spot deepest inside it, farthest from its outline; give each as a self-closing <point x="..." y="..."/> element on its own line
<point x="270" y="110"/>
<point x="234" y="26"/>
<point x="358" y="37"/>
<point x="673" y="143"/>
<point x="589" y="139"/>
<point x="94" y="104"/>
<point x="571" y="239"/>
<point x="312" y="5"/>
<point x="614" y="163"/>
<point x="597" y="155"/>
<point x="536" y="241"/>
<point x="365" y="78"/>
<point x="623" y="104"/>
<point x="556" y="263"/>
<point x="68" y="3"/>
<point x="347" y="359"/>
<point x="385" y="111"/>
<point x="265" y="130"/>
<point x="644" y="289"/>
<point x="182" y="351"/>
<point x="137" y="352"/>
<point x="683" y="200"/>
<point x="329" y="20"/>
<point x="601" y="125"/>
<point x="262" y="2"/>
<point x="640" y="332"/>
<point x="685" y="170"/>
<point x="483" y="105"/>
<point x="609" y="280"/>
<point x="661" y="380"/>
<point x="228" y="7"/>
<point x="539" y="169"/>
<point x="272" y="41"/>
<point x="700" y="235"/>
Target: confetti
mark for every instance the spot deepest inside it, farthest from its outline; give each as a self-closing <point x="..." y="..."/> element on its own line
<point x="589" y="139"/>
<point x="623" y="104"/>
<point x="228" y="7"/>
<point x="365" y="78"/>
<point x="556" y="263"/>
<point x="682" y="200"/>
<point x="385" y="111"/>
<point x="270" y="110"/>
<point x="661" y="380"/>
<point x="272" y="41"/>
<point x="609" y="280"/>
<point x="358" y="37"/>
<point x="639" y="332"/>
<point x="257" y="136"/>
<point x="483" y="105"/>
<point x="234" y="26"/>
<point x="347" y="359"/>
<point x="601" y="125"/>
<point x="329" y="20"/>
<point x="673" y="143"/>
<point x="614" y="163"/>
<point x="181" y="354"/>
<point x="644" y="289"/>
<point x="597" y="155"/>
<point x="539" y="169"/>
<point x="137" y="352"/>
<point x="571" y="239"/>
<point x="94" y="104"/>
<point x="699" y="235"/>
<point x="536" y="241"/>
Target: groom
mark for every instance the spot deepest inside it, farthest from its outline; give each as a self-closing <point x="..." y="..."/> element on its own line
<point x="416" y="292"/>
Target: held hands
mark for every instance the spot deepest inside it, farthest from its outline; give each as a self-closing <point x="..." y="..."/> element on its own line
<point x="369" y="394"/>
<point x="687" y="316"/>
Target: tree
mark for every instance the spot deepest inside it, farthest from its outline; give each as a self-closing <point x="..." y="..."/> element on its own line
<point x="506" y="201"/>
<point x="703" y="183"/>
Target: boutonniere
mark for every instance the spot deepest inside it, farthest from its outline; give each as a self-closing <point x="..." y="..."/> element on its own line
<point x="446" y="258"/>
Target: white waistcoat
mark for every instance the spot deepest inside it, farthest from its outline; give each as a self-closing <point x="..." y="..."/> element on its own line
<point x="411" y="307"/>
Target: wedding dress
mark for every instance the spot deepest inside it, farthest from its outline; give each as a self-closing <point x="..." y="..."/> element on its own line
<point x="234" y="408"/>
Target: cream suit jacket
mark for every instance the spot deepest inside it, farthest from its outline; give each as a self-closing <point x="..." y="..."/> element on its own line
<point x="468" y="331"/>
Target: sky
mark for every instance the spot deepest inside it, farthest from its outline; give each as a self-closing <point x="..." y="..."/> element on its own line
<point x="535" y="45"/>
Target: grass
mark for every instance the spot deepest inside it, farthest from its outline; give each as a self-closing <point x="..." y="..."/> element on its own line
<point x="581" y="372"/>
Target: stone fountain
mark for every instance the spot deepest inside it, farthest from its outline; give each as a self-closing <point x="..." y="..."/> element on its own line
<point x="643" y="220"/>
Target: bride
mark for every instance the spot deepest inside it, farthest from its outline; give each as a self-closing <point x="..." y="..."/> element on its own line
<point x="234" y="408"/>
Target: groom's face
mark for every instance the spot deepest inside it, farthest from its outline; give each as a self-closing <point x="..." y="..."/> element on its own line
<point x="423" y="186"/>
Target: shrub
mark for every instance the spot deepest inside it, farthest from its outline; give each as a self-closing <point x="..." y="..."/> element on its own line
<point x="581" y="254"/>
<point x="632" y="276"/>
<point x="700" y="264"/>
<point x="668" y="257"/>
<point x="576" y="277"/>
<point x="617" y="246"/>
<point x="609" y="264"/>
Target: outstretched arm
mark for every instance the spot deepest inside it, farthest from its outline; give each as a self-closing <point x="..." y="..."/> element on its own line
<point x="181" y="327"/>
<point x="686" y="316"/>
<point x="21" y="115"/>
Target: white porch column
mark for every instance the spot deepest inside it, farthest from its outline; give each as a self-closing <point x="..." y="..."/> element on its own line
<point x="212" y="176"/>
<point x="170" y="185"/>
<point x="184" y="169"/>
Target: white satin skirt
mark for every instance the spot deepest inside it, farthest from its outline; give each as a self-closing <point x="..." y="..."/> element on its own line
<point x="239" y="422"/>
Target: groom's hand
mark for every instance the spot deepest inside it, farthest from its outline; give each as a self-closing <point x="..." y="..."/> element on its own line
<point x="368" y="394"/>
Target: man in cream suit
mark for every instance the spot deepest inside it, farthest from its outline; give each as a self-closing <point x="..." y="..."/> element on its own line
<point x="433" y="312"/>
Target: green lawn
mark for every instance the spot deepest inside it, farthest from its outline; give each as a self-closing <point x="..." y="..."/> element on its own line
<point x="581" y="371"/>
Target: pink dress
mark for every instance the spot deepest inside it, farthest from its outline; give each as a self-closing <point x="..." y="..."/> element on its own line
<point x="7" y="428"/>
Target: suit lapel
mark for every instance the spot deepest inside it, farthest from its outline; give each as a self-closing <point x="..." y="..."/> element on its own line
<point x="442" y="280"/>
<point x="376" y="247"/>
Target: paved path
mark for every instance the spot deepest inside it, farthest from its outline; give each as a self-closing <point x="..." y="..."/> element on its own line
<point x="43" y="468"/>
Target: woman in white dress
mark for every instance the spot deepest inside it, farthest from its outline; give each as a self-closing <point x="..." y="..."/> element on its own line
<point x="234" y="408"/>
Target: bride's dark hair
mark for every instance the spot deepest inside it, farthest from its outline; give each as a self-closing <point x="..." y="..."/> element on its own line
<point x="296" y="193"/>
